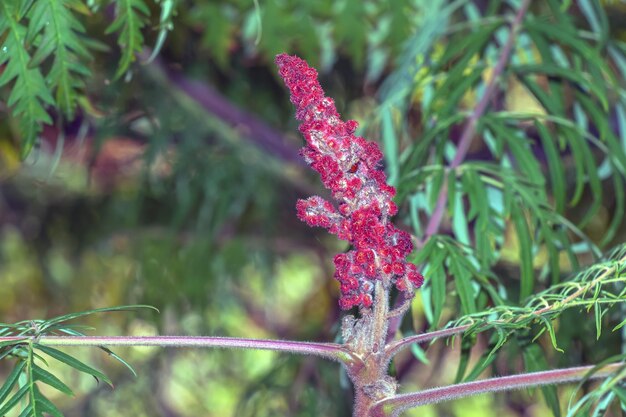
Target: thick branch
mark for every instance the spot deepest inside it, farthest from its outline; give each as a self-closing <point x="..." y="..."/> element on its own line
<point x="325" y="350"/>
<point x="395" y="405"/>
<point x="472" y="122"/>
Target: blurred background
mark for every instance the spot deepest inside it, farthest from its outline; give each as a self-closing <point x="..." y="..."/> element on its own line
<point x="175" y="186"/>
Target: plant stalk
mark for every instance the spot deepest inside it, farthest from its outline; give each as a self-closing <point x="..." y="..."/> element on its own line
<point x="325" y="350"/>
<point x="393" y="406"/>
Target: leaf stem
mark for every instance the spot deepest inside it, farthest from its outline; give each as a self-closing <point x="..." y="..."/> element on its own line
<point x="470" y="127"/>
<point x="325" y="350"/>
<point x="393" y="406"/>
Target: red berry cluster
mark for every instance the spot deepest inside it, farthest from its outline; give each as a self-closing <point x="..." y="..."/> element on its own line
<point x="349" y="168"/>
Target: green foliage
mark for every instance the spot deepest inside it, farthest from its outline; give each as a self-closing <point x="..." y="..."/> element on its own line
<point x="58" y="33"/>
<point x="46" y="50"/>
<point x="29" y="93"/>
<point x="130" y="18"/>
<point x="528" y="211"/>
<point x="545" y="158"/>
<point x="22" y="385"/>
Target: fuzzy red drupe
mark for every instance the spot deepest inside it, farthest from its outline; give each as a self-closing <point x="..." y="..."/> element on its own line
<point x="349" y="167"/>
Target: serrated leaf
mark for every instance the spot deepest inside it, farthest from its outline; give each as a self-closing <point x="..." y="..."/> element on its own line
<point x="29" y="93"/>
<point x="59" y="34"/>
<point x="130" y="19"/>
<point x="73" y="362"/>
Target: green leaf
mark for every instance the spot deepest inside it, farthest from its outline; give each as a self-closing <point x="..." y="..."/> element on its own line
<point x="11" y="379"/>
<point x="576" y="77"/>
<point x="578" y="153"/>
<point x="72" y="316"/>
<point x="535" y="361"/>
<point x="555" y="166"/>
<point x="60" y="34"/>
<point x="390" y="144"/>
<point x="457" y="80"/>
<point x="419" y="353"/>
<point x="40" y="374"/>
<point x="480" y="366"/>
<point x="46" y="406"/>
<point x="527" y="278"/>
<point x="119" y="359"/>
<point x="14" y="400"/>
<point x="569" y="37"/>
<point x="219" y="30"/>
<point x="462" y="280"/>
<point x="351" y="14"/>
<point x="437" y="278"/>
<point x="73" y="362"/>
<point x="29" y="93"/>
<point x="459" y="220"/>
<point x="467" y="343"/>
<point x="168" y="11"/>
<point x="435" y="187"/>
<point x="130" y="19"/>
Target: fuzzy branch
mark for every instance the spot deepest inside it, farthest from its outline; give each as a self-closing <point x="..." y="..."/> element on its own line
<point x="325" y="350"/>
<point x="395" y="405"/>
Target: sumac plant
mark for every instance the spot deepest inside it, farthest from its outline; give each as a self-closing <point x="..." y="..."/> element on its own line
<point x="466" y="205"/>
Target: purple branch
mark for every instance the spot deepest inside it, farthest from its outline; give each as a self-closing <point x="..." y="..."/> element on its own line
<point x="393" y="348"/>
<point x="470" y="128"/>
<point x="393" y="406"/>
<point x="265" y="137"/>
<point x="325" y="350"/>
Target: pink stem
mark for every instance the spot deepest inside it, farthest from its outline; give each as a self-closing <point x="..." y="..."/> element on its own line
<point x="326" y="350"/>
<point x="393" y="406"/>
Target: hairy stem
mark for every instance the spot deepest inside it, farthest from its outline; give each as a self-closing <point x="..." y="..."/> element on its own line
<point x="393" y="348"/>
<point x="325" y="350"/>
<point x="395" y="405"/>
<point x="381" y="309"/>
<point x="470" y="128"/>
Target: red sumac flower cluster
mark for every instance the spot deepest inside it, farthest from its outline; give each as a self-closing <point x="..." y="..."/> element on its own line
<point x="349" y="167"/>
